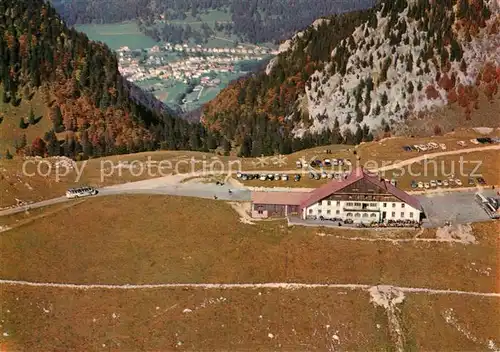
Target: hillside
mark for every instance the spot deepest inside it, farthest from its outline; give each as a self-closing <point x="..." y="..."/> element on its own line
<point x="347" y="77"/>
<point x="58" y="86"/>
<point x="254" y="21"/>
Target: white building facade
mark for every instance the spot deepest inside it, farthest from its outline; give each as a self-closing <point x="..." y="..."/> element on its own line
<point x="362" y="198"/>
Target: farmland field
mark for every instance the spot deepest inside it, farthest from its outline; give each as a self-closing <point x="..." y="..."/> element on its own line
<point x="155" y="239"/>
<point x="117" y="35"/>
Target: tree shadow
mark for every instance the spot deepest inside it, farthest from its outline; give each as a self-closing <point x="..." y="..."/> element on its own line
<point x="36" y="120"/>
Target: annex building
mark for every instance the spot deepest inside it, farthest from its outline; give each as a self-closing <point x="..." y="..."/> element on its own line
<point x="360" y="196"/>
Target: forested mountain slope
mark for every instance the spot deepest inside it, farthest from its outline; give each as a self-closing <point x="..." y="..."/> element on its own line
<point x="368" y="70"/>
<point x="253" y="21"/>
<point x="91" y="107"/>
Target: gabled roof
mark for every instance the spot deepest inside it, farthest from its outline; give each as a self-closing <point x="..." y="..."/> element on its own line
<point x="356" y="175"/>
<point x="332" y="187"/>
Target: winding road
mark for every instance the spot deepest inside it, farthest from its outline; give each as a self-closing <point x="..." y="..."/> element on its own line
<point x="208" y="191"/>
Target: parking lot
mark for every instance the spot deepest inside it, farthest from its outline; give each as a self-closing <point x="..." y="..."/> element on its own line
<point x="456" y="207"/>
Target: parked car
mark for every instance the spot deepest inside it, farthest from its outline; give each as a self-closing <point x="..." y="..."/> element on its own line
<point x="244" y="177"/>
<point x="442" y="146"/>
<point x="298" y="164"/>
<point x="270" y="177"/>
<point x="427" y="185"/>
<point x="458" y="182"/>
<point x="348" y="221"/>
<point x="413" y="184"/>
<point x="311" y="175"/>
<point x="461" y="143"/>
<point x="238" y="175"/>
<point x="327" y="162"/>
<point x="470" y="181"/>
<point x="324" y="175"/>
<point x="433" y="183"/>
<point x="263" y="177"/>
<point x="433" y="145"/>
<point x="317" y="176"/>
<point x="284" y="177"/>
<point x="277" y="177"/>
<point x="420" y="184"/>
<point x="439" y="183"/>
<point x="445" y="183"/>
<point x="474" y="141"/>
<point x="330" y="176"/>
<point x="296" y="178"/>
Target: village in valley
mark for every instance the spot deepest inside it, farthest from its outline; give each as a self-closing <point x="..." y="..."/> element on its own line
<point x="183" y="69"/>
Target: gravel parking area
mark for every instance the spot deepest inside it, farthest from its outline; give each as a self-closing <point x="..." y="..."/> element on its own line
<point x="457" y="207"/>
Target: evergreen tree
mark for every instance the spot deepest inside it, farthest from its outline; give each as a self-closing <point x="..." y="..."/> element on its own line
<point x="8" y="155"/>
<point x="22" y="124"/>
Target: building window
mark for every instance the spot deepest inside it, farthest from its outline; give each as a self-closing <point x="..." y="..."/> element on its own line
<point x="319" y="203"/>
<point x="349" y="204"/>
<point x="402" y="205"/>
<point x="338" y="203"/>
<point x="357" y="204"/>
<point x="337" y="212"/>
<point x="365" y="215"/>
<point x="310" y="211"/>
<point x="319" y="211"/>
<point x="411" y="215"/>
<point x="329" y="203"/>
<point x="373" y="204"/>
<point x="328" y="211"/>
<point x="357" y="215"/>
<point x="394" y="205"/>
<point x="261" y="211"/>
<point x="385" y="205"/>
<point x="393" y="214"/>
<point x="373" y="215"/>
<point x="402" y="214"/>
<point x="349" y="215"/>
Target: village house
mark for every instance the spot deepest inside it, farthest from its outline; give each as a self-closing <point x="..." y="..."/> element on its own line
<point x="361" y="197"/>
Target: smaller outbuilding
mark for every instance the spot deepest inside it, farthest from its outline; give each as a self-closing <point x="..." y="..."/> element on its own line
<point x="277" y="204"/>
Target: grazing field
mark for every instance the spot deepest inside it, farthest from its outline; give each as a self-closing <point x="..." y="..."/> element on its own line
<point x="155" y="239"/>
<point x="238" y="319"/>
<point x="117" y="35"/>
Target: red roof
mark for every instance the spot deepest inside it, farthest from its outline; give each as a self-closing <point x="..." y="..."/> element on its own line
<point x="358" y="174"/>
<point x="281" y="198"/>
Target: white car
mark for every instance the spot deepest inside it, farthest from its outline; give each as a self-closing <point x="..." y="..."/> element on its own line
<point x="432" y="145"/>
<point x="427" y="185"/>
<point x="263" y="177"/>
<point x="423" y="147"/>
<point x="474" y="141"/>
<point x="433" y="183"/>
<point x="420" y="184"/>
<point x="445" y="183"/>
<point x="458" y="182"/>
<point x="284" y="177"/>
<point x="84" y="191"/>
<point x="298" y="164"/>
<point x="442" y="146"/>
<point x="461" y="143"/>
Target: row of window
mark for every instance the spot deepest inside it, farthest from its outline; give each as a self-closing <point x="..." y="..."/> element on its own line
<point x="320" y="212"/>
<point x="328" y="202"/>
<point x="357" y="215"/>
<point x="393" y="205"/>
<point x="349" y="204"/>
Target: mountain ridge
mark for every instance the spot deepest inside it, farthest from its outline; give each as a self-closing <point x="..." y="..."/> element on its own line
<point x="378" y="68"/>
